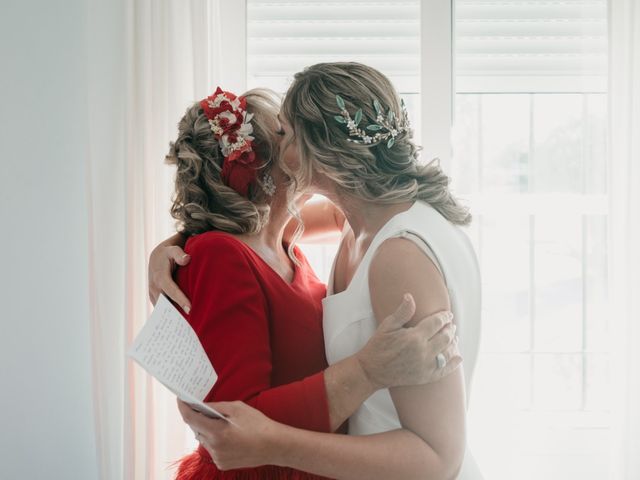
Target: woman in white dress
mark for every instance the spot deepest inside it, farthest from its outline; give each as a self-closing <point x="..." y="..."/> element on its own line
<point x="346" y="136"/>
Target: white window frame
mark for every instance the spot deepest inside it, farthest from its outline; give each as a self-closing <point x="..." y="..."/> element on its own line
<point x="231" y="42"/>
<point x="436" y="79"/>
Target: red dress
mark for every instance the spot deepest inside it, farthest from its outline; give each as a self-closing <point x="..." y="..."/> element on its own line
<point x="264" y="339"/>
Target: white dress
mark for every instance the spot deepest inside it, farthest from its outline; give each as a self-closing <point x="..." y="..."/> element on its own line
<point x="349" y="322"/>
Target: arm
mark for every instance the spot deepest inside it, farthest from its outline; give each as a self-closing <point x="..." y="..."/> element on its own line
<point x="435" y="412"/>
<point x="255" y="440"/>
<point x="164" y="259"/>
<point x="229" y="315"/>
<point x="432" y="443"/>
<point x="394" y="355"/>
<point x="394" y="454"/>
<point x="323" y="223"/>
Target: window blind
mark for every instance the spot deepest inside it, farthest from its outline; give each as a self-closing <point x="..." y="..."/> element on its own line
<point x="284" y="37"/>
<point x="531" y="45"/>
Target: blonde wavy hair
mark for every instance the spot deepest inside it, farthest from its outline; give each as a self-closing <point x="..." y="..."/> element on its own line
<point x="369" y="172"/>
<point x="201" y="201"/>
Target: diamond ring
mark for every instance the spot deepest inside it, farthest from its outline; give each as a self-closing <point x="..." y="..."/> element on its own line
<point x="441" y="360"/>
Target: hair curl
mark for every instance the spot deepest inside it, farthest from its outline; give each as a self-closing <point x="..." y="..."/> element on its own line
<point x="201" y="201"/>
<point x="370" y="172"/>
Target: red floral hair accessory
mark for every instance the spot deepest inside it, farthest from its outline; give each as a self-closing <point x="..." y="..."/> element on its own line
<point x="231" y="126"/>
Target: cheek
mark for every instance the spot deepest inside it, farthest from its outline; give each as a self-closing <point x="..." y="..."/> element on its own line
<point x="290" y="157"/>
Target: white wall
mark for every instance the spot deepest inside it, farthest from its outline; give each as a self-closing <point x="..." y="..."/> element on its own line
<point x="47" y="426"/>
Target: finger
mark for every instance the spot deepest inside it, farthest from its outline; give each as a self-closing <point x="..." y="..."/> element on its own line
<point x="153" y="295"/>
<point x="431" y="325"/>
<point x="171" y="290"/>
<point x="452" y="350"/>
<point x="197" y="421"/>
<point x="178" y="255"/>
<point x="441" y="340"/>
<point x="228" y="409"/>
<point x="206" y="438"/>
<point x="451" y="366"/>
<point x="185" y="411"/>
<point x="402" y="314"/>
<point x="190" y="414"/>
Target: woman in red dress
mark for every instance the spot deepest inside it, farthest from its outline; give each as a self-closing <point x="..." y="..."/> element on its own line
<point x="255" y="303"/>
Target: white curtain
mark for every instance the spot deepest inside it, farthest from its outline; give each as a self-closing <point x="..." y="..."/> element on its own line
<point x="624" y="190"/>
<point x="149" y="60"/>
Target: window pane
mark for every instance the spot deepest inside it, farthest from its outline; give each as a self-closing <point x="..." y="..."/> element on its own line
<point x="596" y="143"/>
<point x="502" y="389"/>
<point x="506" y="278"/>
<point x="504" y="154"/>
<point x="558" y="283"/>
<point x="557" y="130"/>
<point x="557" y="381"/>
<point x="509" y="391"/>
<point x="596" y="294"/>
<point x="597" y="382"/>
<point x="466" y="143"/>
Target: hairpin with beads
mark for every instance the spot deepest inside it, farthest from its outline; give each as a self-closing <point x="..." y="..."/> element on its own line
<point x="386" y="127"/>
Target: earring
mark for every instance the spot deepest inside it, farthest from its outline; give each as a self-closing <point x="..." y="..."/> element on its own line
<point x="268" y="185"/>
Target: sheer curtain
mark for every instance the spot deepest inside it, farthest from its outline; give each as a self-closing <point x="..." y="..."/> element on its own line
<point x="624" y="177"/>
<point x="148" y="60"/>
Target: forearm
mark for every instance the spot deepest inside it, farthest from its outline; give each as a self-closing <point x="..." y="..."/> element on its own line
<point x="347" y="388"/>
<point x="393" y="454"/>
<point x="320" y="402"/>
<point x="323" y="223"/>
<point x="301" y="404"/>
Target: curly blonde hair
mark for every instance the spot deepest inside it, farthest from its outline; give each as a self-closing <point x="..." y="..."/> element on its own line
<point x="201" y="200"/>
<point x="370" y="172"/>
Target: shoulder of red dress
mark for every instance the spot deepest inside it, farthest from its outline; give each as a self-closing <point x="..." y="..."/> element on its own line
<point x="213" y="238"/>
<point x="219" y="245"/>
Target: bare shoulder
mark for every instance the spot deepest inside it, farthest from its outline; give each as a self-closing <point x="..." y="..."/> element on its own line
<point x="400" y="258"/>
<point x="400" y="266"/>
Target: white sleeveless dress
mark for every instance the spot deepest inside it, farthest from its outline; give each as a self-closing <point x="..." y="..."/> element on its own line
<point x="349" y="321"/>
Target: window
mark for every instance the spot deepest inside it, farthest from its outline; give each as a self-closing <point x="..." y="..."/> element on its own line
<point x="529" y="156"/>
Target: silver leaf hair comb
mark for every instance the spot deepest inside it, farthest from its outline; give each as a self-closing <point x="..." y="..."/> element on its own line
<point x="386" y="127"/>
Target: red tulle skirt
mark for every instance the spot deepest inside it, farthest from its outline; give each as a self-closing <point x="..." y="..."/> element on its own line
<point x="199" y="466"/>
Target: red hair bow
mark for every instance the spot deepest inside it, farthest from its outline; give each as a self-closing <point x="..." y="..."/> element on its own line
<point x="231" y="126"/>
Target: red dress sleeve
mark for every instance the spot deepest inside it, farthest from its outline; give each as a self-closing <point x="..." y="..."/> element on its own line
<point x="230" y="316"/>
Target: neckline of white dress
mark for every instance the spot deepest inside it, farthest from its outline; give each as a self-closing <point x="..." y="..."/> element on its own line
<point x="330" y="289"/>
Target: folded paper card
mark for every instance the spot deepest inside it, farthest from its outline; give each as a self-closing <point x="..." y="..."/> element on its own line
<point x="169" y="349"/>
